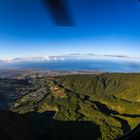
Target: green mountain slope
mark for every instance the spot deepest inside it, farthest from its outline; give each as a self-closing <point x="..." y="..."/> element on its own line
<point x="87" y="106"/>
<point x="122" y="86"/>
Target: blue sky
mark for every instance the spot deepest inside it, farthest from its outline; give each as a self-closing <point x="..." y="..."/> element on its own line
<point x="101" y="27"/>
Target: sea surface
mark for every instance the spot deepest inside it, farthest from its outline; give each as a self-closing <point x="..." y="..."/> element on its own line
<point x="74" y="65"/>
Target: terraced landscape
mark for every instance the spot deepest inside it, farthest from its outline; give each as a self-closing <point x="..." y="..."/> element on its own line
<point x="97" y="106"/>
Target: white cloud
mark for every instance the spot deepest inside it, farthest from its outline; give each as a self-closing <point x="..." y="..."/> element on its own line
<point x="46" y="58"/>
<point x="24" y="59"/>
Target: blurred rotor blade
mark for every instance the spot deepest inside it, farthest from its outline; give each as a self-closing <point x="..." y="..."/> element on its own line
<point x="59" y="11"/>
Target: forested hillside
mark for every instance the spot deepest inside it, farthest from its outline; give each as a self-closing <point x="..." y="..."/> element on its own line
<point x="98" y="106"/>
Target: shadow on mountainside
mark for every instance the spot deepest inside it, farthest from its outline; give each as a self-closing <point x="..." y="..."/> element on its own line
<point x="42" y="126"/>
<point x="125" y="126"/>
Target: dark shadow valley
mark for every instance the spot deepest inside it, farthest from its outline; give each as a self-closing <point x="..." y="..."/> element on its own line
<point x="42" y="126"/>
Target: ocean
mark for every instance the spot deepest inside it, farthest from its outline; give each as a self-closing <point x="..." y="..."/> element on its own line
<point x="75" y="65"/>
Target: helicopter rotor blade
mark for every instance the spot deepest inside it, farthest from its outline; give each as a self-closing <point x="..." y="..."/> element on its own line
<point x="59" y="12"/>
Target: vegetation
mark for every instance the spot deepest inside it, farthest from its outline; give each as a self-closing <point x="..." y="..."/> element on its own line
<point x="103" y="106"/>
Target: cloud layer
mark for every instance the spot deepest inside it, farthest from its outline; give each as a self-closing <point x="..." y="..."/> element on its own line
<point x="68" y="57"/>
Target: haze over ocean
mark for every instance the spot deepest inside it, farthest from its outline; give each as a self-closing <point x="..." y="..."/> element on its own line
<point x="75" y="64"/>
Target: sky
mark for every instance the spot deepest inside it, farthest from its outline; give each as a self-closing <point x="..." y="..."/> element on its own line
<point x="100" y="27"/>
